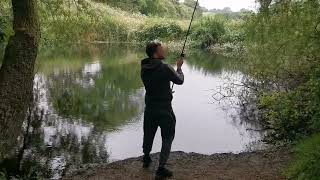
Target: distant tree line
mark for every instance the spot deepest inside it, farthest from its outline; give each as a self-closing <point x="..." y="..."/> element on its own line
<point x="172" y="8"/>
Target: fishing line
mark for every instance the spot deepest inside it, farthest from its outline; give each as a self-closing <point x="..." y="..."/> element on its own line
<point x="188" y="33"/>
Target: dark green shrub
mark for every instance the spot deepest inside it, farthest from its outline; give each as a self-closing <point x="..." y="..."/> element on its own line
<point x="235" y="33"/>
<point x="164" y="31"/>
<point x="208" y="31"/>
<point x="293" y="114"/>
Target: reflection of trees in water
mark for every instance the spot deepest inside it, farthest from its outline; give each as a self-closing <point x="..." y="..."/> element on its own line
<point x="77" y="104"/>
<point x="108" y="97"/>
<point x="58" y="145"/>
<point x="52" y="144"/>
<point x="237" y="96"/>
<point x="211" y="64"/>
<point x="231" y="95"/>
<point x="105" y="94"/>
<point x="228" y="94"/>
<point x="238" y="103"/>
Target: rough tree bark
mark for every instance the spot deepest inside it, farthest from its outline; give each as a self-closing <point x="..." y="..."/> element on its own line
<point x="16" y="73"/>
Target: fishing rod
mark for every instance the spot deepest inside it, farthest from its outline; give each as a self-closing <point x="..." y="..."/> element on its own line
<point x="189" y="29"/>
<point x="188" y="33"/>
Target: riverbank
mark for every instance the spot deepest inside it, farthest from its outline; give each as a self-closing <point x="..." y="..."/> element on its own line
<point x="267" y="164"/>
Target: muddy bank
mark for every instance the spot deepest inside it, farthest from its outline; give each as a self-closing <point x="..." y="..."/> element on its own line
<point x="245" y="166"/>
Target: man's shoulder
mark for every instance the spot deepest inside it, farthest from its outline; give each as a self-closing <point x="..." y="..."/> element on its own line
<point x="168" y="67"/>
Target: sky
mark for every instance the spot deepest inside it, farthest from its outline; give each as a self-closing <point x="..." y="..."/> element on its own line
<point x="235" y="5"/>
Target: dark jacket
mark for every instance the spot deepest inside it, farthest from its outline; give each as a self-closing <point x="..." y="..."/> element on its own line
<point x="156" y="77"/>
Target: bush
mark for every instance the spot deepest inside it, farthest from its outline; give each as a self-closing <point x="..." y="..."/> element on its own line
<point x="235" y="33"/>
<point x="163" y="8"/>
<point x="293" y="114"/>
<point x="307" y="163"/>
<point x="283" y="45"/>
<point x="283" y="53"/>
<point x="99" y="22"/>
<point x="164" y="31"/>
<point x="208" y="31"/>
<point x="83" y="29"/>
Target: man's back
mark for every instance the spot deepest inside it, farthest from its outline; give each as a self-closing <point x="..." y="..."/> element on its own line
<point x="156" y="77"/>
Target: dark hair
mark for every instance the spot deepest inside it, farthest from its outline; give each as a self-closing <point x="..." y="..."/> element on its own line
<point x="152" y="48"/>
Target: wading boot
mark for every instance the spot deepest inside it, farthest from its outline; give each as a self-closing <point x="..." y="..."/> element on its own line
<point x="146" y="161"/>
<point x="163" y="173"/>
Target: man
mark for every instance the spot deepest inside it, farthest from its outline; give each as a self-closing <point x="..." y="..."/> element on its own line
<point x="156" y="77"/>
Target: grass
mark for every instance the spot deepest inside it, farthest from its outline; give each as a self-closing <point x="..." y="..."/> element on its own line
<point x="307" y="161"/>
<point x="102" y="23"/>
<point x="69" y="23"/>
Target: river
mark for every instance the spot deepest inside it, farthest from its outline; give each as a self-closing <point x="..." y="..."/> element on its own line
<point x="91" y="99"/>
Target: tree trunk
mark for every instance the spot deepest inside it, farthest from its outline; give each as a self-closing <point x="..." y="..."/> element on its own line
<point x="16" y="73"/>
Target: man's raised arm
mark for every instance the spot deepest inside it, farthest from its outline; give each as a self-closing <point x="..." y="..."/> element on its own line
<point x="177" y="77"/>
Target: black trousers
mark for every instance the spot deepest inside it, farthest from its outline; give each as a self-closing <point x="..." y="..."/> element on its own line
<point x="163" y="117"/>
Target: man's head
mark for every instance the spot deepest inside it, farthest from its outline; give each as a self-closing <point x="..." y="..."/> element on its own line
<point x="155" y="50"/>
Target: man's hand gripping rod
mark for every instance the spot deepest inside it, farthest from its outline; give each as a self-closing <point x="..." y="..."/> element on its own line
<point x="182" y="55"/>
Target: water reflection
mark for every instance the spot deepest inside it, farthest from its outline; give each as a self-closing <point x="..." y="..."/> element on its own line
<point x="97" y="97"/>
<point x="57" y="143"/>
<point x="90" y="101"/>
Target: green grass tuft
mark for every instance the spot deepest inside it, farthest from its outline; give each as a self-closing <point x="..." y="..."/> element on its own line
<point x="307" y="163"/>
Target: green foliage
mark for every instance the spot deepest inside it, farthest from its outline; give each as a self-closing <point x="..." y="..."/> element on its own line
<point x="163" y="8"/>
<point x="283" y="58"/>
<point x="307" y="163"/>
<point x="293" y="114"/>
<point x="84" y="29"/>
<point x="98" y="22"/>
<point x="190" y="3"/>
<point x="228" y="13"/>
<point x="127" y="5"/>
<point x="235" y="33"/>
<point x="283" y="45"/>
<point x="161" y="30"/>
<point x="82" y="23"/>
<point x="5" y="21"/>
<point x="64" y="23"/>
<point x="208" y="31"/>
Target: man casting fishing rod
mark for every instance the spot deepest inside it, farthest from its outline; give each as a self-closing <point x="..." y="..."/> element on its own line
<point x="156" y="77"/>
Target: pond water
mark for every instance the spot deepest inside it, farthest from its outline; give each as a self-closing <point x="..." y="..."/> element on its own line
<point x="92" y="102"/>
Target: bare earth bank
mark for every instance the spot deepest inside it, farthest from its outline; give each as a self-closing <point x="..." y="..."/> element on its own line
<point x="245" y="166"/>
